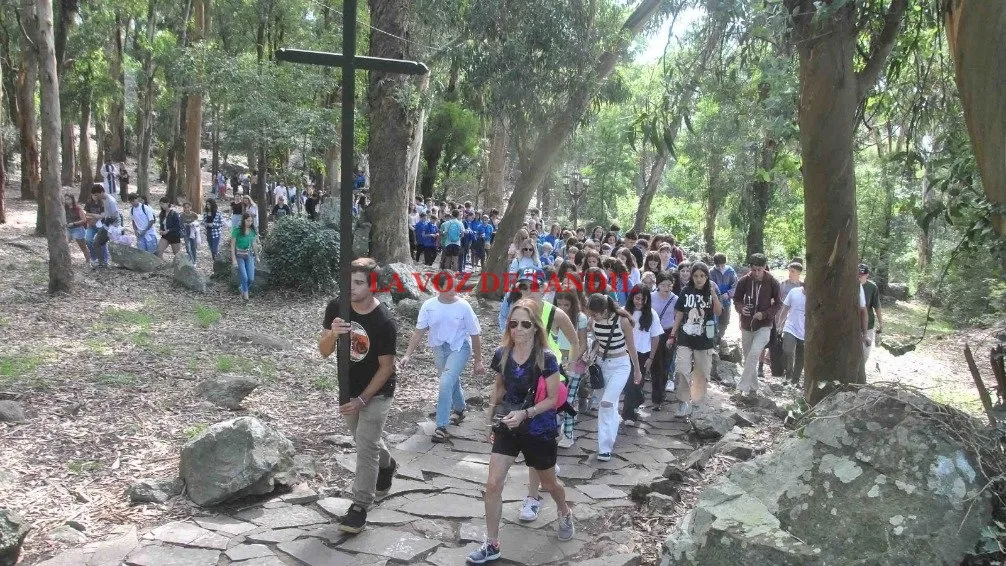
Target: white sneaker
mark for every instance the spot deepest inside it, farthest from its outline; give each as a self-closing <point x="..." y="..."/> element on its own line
<point x="94" y="263"/>
<point x="684" y="409"/>
<point x="669" y="388"/>
<point x="566" y="442"/>
<point x="529" y="510"/>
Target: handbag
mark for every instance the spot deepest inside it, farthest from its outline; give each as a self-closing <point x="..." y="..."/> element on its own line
<point x="594" y="373"/>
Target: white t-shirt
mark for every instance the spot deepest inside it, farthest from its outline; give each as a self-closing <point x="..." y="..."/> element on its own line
<point x="862" y="298"/>
<point x="563" y="341"/>
<point x="142" y="215"/>
<point x="642" y="336"/>
<point x="451" y="323"/>
<point x="796" y="300"/>
<point x="279" y="191"/>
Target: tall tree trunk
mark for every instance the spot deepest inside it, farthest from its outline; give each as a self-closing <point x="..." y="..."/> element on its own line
<point x="975" y="33"/>
<point x="760" y="196"/>
<point x="712" y="202"/>
<point x="717" y="21"/>
<point x="86" y="180"/>
<point x="28" y="123"/>
<point x="392" y="125"/>
<point x="145" y="131"/>
<point x="830" y="94"/>
<point x="194" y="118"/>
<point x="176" y="154"/>
<point x="554" y="135"/>
<point x="66" y="21"/>
<point x="416" y="144"/>
<point x="650" y="190"/>
<point x="215" y="147"/>
<point x="116" y="112"/>
<point x="496" y="171"/>
<point x="60" y="273"/>
<point x="259" y="197"/>
<point x="3" y="170"/>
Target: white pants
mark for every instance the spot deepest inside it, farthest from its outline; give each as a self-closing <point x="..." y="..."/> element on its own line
<point x="616" y="373"/>
<point x="753" y="342"/>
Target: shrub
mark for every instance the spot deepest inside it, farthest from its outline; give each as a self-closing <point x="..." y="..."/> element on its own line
<point x="302" y="254"/>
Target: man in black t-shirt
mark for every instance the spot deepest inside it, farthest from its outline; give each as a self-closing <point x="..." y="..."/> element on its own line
<point x="366" y="393"/>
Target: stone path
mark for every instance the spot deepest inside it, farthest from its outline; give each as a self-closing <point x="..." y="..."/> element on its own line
<point x="433" y="515"/>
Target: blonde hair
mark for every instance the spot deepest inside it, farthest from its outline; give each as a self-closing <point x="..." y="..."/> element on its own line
<point x="540" y="342"/>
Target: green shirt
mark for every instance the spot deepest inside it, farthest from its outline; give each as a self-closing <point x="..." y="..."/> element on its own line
<point x="546" y="308"/>
<point x="243" y="242"/>
<point x="872" y="293"/>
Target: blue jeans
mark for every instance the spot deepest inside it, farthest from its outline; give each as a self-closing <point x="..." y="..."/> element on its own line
<point x="246" y="271"/>
<point x="450" y="363"/>
<point x="94" y="250"/>
<point x="190" y="249"/>
<point x="147" y="244"/>
<point x="214" y="242"/>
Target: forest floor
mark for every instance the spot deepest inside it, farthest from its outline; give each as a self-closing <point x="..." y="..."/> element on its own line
<point x="106" y="376"/>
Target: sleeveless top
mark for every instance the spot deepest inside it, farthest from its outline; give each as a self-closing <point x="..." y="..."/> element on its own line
<point x="611" y="327"/>
<point x="546" y="308"/>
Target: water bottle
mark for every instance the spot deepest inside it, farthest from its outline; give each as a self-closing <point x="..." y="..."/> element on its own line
<point x="710" y="329"/>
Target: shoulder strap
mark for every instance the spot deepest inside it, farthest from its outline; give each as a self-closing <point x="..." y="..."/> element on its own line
<point x="551" y="317"/>
<point x="607" y="343"/>
<point x="663" y="310"/>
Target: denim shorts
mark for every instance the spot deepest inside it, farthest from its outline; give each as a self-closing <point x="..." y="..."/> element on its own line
<point x="76" y="233"/>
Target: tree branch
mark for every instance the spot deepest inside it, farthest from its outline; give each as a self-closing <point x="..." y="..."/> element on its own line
<point x="880" y="49"/>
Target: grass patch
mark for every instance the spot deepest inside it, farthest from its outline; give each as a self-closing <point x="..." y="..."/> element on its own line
<point x="145" y="340"/>
<point x="323" y="383"/>
<point x="963" y="399"/>
<point x="207" y="316"/>
<point x="81" y="466"/>
<point x="903" y="321"/>
<point x="227" y="363"/>
<point x="194" y="431"/>
<point x="14" y="367"/>
<point x="126" y="316"/>
<point x="268" y="371"/>
<point x="4" y="322"/>
<point x="99" y="347"/>
<point x="118" y="380"/>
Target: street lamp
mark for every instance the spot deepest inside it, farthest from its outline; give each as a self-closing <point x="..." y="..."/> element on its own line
<point x="576" y="187"/>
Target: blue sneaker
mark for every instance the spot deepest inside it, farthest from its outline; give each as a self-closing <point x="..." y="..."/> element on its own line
<point x="487" y="553"/>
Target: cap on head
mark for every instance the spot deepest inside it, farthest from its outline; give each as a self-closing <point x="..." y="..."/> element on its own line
<point x="795" y="265"/>
<point x="531" y="274"/>
<point x="864" y="269"/>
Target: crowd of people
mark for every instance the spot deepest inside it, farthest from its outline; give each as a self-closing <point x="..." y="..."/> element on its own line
<point x="589" y="321"/>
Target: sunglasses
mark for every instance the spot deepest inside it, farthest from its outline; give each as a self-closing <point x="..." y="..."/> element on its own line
<point x="528" y="249"/>
<point x="526" y="324"/>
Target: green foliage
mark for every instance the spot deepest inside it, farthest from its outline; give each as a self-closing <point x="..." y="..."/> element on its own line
<point x="455" y="128"/>
<point x="302" y="255"/>
<point x="207" y="316"/>
<point x="323" y="383"/>
<point x="126" y="316"/>
<point x="195" y="430"/>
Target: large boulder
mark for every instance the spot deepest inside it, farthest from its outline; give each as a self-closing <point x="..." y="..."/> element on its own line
<point x="711" y="423"/>
<point x="13" y="529"/>
<point x="185" y="274"/>
<point x="223" y="268"/>
<point x="731" y="352"/>
<point x="11" y="412"/>
<point x="898" y="291"/>
<point x="226" y="391"/>
<point x="399" y="278"/>
<point x="878" y="476"/>
<point x="233" y="459"/>
<point x="725" y="372"/>
<point x="408" y="308"/>
<point x="135" y="259"/>
<point x="154" y="491"/>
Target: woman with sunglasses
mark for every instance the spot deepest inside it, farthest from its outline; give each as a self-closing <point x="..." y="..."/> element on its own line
<point x="695" y="334"/>
<point x="521" y="426"/>
<point x="514" y="252"/>
<point x="528" y="258"/>
<point x="615" y="351"/>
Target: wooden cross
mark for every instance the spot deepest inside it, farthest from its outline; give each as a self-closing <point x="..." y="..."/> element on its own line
<point x="349" y="62"/>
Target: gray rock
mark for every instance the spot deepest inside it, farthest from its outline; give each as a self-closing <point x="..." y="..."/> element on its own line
<point x="233" y="459"/>
<point x="302" y="494"/>
<point x="917" y="491"/>
<point x="13" y="529"/>
<point x="11" y="412"/>
<point x="286" y="517"/>
<point x="248" y="551"/>
<point x="226" y="391"/>
<point x="738" y="450"/>
<point x="189" y="534"/>
<point x="313" y="552"/>
<point x="304" y="466"/>
<point x="731" y="352"/>
<point x="408" y="308"/>
<point x="435" y="529"/>
<point x="745" y="419"/>
<point x="184" y="273"/>
<point x="343" y="440"/>
<point x="710" y="423"/>
<point x="172" y="556"/>
<point x="223" y="266"/>
<point x="661" y="503"/>
<point x="135" y="259"/>
<point x="389" y="543"/>
<point x="67" y="534"/>
<point x="154" y="491"/>
<point x="898" y="291"/>
<point x="398" y="277"/>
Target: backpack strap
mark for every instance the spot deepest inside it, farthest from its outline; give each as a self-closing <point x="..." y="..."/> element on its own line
<point x="551" y="318"/>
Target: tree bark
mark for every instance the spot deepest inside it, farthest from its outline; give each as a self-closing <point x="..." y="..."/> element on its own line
<point x="116" y="113"/>
<point x="259" y="189"/>
<point x="3" y="170"/>
<point x="60" y="273"/>
<point x="650" y="190"/>
<point x="145" y="131"/>
<point x="28" y="123"/>
<point x="215" y="147"/>
<point x="712" y="202"/>
<point x="392" y="125"/>
<point x="496" y="171"/>
<point x="975" y="32"/>
<point x="760" y="197"/>
<point x="194" y="118"/>
<point x="176" y="154"/>
<point x="66" y="21"/>
<point x="554" y="136"/>
<point x="416" y="145"/>
<point x="86" y="178"/>
<point x="830" y="94"/>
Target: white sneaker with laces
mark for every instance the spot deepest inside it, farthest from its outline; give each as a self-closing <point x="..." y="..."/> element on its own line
<point x="529" y="510"/>
<point x="669" y="388"/>
<point x="566" y="442"/>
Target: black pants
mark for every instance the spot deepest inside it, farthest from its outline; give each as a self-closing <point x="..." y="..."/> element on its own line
<point x="413" y="247"/>
<point x="429" y="254"/>
<point x="634" y="393"/>
<point x="659" y="372"/>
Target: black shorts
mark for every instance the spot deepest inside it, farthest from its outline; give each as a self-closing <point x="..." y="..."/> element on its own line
<point x="173" y="238"/>
<point x="539" y="453"/>
<point x="451" y="250"/>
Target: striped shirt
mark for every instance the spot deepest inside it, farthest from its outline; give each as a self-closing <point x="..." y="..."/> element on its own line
<point x="610" y="328"/>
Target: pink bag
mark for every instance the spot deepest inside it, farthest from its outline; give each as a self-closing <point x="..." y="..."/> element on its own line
<point x="542" y="392"/>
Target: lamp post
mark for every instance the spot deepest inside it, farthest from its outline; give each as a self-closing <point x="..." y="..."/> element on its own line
<point x="576" y="187"/>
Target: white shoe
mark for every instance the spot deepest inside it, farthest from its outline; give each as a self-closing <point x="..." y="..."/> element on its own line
<point x="684" y="409"/>
<point x="566" y="442"/>
<point x="669" y="388"/>
<point x="529" y="510"/>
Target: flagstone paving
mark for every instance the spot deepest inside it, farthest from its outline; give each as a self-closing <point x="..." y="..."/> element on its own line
<point x="433" y="514"/>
